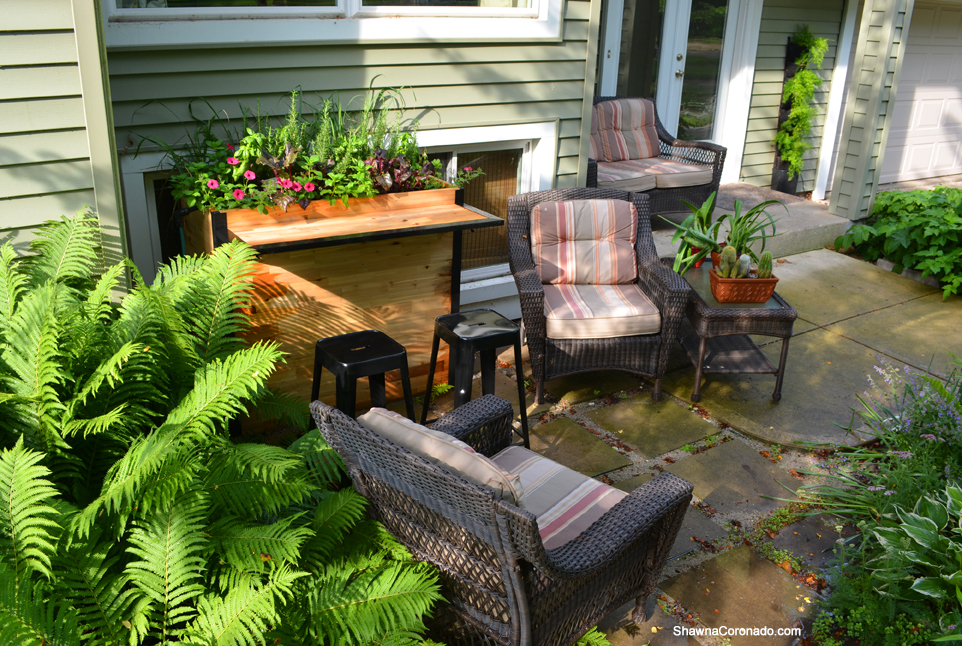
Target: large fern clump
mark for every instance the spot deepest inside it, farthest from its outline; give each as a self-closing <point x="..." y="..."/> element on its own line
<point x="127" y="513"/>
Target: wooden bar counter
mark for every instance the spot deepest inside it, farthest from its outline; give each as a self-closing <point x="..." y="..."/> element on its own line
<point x="389" y="263"/>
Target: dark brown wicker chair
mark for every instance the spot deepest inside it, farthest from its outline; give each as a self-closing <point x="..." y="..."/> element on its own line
<point x="668" y="200"/>
<point x="501" y="585"/>
<point x="645" y="355"/>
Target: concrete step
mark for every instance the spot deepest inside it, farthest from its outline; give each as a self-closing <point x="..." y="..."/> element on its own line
<point x="801" y="226"/>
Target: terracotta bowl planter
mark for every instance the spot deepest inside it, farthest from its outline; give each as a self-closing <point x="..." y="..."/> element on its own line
<point x="741" y="290"/>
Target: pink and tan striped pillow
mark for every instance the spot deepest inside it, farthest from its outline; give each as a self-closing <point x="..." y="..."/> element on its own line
<point x="623" y="129"/>
<point x="587" y="242"/>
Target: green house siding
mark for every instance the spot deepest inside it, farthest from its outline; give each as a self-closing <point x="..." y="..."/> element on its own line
<point x="44" y="155"/>
<point x="780" y="18"/>
<point x="445" y="86"/>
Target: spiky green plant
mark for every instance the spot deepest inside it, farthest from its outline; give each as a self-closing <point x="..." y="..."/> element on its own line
<point x="765" y="265"/>
<point x="127" y="514"/>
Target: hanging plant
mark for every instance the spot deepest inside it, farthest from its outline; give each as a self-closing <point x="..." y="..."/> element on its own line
<point x="792" y="137"/>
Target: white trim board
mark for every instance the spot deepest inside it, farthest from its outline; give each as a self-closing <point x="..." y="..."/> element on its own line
<point x="833" y="113"/>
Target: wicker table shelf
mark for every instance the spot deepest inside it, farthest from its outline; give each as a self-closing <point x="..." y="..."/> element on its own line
<point x="721" y="344"/>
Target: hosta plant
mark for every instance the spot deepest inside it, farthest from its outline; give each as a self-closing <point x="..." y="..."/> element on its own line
<point x="127" y="513"/>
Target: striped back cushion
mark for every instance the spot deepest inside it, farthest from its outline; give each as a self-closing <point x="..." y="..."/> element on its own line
<point x="585" y="242"/>
<point x="623" y="129"/>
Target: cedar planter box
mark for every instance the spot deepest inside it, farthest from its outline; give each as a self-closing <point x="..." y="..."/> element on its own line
<point x="387" y="263"/>
<point x="741" y="290"/>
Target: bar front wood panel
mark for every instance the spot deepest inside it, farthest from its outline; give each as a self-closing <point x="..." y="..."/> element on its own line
<point x="398" y="286"/>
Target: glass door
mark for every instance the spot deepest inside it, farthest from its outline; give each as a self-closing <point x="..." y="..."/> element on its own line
<point x="702" y="69"/>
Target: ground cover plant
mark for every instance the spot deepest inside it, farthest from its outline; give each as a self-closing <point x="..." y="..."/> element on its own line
<point x="919" y="230"/>
<point x="128" y="515"/>
<point x="323" y="151"/>
<point x="900" y="580"/>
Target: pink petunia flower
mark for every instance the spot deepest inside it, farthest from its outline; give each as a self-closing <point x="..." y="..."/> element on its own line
<point x="286" y="183"/>
<point x="468" y="169"/>
<point x="309" y="187"/>
<point x="249" y="174"/>
<point x="238" y="194"/>
<point x="213" y="183"/>
<point x="297" y="186"/>
<point x="230" y="147"/>
<point x="233" y="161"/>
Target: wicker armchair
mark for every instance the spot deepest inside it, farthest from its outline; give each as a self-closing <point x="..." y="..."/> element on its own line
<point x="646" y="354"/>
<point x="501" y="585"/>
<point x="666" y="200"/>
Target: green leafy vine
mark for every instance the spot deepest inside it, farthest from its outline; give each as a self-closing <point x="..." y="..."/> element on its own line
<point x="792" y="137"/>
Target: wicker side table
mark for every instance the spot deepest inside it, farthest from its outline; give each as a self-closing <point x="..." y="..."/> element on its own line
<point x="721" y="344"/>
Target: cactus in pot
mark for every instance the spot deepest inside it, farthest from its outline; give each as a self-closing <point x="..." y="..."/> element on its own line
<point x="728" y="263"/>
<point x="744" y="266"/>
<point x="765" y="265"/>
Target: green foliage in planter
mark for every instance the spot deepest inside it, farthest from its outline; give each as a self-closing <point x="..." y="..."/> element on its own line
<point x="792" y="137"/>
<point x="127" y="514"/>
<point x="919" y="230"/>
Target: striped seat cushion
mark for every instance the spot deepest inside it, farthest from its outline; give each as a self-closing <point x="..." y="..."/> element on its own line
<point x="598" y="312"/>
<point x="646" y="174"/>
<point x="585" y="242"/>
<point x="564" y="502"/>
<point x="623" y="129"/>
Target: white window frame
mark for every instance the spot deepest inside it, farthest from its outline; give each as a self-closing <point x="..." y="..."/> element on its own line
<point x="346" y="23"/>
<point x="539" y="141"/>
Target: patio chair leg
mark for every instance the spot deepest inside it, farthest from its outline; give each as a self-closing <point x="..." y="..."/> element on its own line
<point x="539" y="394"/>
<point x="640" y="614"/>
<point x="656" y="394"/>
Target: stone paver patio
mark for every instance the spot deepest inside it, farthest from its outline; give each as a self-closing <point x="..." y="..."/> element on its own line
<point x="852" y="316"/>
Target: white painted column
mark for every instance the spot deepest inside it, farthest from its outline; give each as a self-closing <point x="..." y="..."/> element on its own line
<point x="837" y="92"/>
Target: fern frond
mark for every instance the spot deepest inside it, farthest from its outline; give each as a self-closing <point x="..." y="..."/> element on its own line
<point x="12" y="282"/>
<point x="355" y="608"/>
<point x="219" y="389"/>
<point x="98" y="305"/>
<point x="65" y="249"/>
<point x="28" y="531"/>
<point x="323" y="462"/>
<point x="250" y="480"/>
<point x="32" y="355"/>
<point x="222" y="291"/>
<point x="169" y="545"/>
<point x="243" y="616"/>
<point x="29" y="619"/>
<point x="87" y="577"/>
<point x="96" y="425"/>
<point x="287" y="409"/>
<point x="248" y="547"/>
<point x="336" y="513"/>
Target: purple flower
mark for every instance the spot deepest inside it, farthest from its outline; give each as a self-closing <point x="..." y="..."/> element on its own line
<point x="889" y="493"/>
<point x="876" y="488"/>
<point x="928" y="436"/>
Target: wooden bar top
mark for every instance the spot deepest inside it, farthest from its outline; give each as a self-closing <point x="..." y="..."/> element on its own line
<point x="324" y="225"/>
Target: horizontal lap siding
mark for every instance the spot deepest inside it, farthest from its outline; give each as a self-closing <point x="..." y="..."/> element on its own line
<point x="44" y="157"/>
<point x="447" y="86"/>
<point x="780" y="18"/>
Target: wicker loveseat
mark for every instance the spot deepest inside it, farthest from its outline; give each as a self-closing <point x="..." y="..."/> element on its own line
<point x="501" y="584"/>
<point x="636" y="350"/>
<point x="632" y="151"/>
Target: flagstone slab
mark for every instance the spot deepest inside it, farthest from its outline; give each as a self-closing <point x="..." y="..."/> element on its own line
<point x="922" y="333"/>
<point x="657" y="631"/>
<point x="732" y="477"/>
<point x="824" y="374"/>
<point x="695" y="525"/>
<point x="826" y="287"/>
<point x="740" y="589"/>
<point x="568" y="443"/>
<point x="585" y="386"/>
<point x="651" y="427"/>
<point x="813" y="539"/>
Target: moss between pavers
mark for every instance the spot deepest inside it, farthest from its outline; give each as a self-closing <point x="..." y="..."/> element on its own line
<point x="652" y="427"/>
<point x="568" y="443"/>
<point x="576" y="389"/>
<point x="824" y="374"/>
<point x="732" y="477"/>
<point x="747" y="591"/>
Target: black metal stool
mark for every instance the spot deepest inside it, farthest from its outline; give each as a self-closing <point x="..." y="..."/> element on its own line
<point x="361" y="354"/>
<point x="473" y="331"/>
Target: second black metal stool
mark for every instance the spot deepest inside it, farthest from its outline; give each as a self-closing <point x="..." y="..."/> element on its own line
<point x="473" y="331"/>
<point x="361" y="354"/>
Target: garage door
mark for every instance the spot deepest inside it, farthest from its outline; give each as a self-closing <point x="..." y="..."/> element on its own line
<point x="925" y="139"/>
